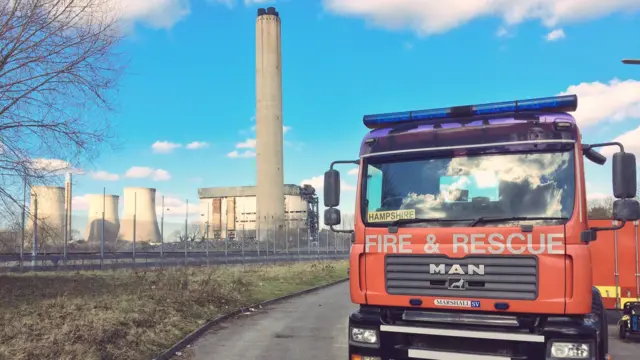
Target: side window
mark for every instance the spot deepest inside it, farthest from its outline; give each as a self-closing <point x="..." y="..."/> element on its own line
<point x="374" y="188"/>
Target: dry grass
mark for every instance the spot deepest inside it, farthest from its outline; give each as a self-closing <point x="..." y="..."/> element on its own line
<point x="134" y="315"/>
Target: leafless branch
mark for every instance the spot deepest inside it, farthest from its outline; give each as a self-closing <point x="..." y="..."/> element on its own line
<point x="59" y="68"/>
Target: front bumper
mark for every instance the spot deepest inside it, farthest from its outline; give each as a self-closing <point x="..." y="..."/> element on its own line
<point x="401" y="340"/>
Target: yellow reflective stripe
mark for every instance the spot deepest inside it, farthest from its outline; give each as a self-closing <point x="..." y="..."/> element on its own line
<point x="608" y="291"/>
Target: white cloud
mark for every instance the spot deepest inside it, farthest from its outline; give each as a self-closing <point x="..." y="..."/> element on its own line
<point x="243" y="154"/>
<point x="250" y="143"/>
<point x="197" y="145"/>
<point x="176" y="207"/>
<point x="597" y="196"/>
<point x="257" y="2"/>
<point x="353" y="171"/>
<point x="630" y="140"/>
<point x="556" y="34"/>
<point x="247" y="144"/>
<point x="427" y="17"/>
<point x="140" y="172"/>
<point x="597" y="102"/>
<point x="154" y="13"/>
<point x="502" y="32"/>
<point x="164" y="147"/>
<point x="80" y="202"/>
<point x="53" y="166"/>
<point x="318" y="183"/>
<point x="104" y="176"/>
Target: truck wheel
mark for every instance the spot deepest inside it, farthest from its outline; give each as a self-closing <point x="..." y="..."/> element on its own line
<point x="597" y="308"/>
<point x="622" y="330"/>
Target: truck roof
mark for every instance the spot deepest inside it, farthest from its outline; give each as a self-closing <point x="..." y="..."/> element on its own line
<point x="427" y="129"/>
<point x="452" y="122"/>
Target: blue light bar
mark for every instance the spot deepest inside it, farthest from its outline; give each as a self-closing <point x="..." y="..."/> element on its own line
<point x="564" y="103"/>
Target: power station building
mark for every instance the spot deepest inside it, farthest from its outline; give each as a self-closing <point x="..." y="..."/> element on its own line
<point x="232" y="212"/>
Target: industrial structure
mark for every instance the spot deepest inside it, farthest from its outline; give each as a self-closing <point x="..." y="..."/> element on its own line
<point x="230" y="212"/>
<point x="269" y="153"/>
<point x="47" y="214"/>
<point x="103" y="208"/>
<point x="139" y="221"/>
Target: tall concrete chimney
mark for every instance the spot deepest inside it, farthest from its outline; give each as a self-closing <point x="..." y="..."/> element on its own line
<point x="269" y="158"/>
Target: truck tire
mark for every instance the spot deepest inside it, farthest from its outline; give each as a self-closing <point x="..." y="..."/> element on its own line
<point x="622" y="330"/>
<point x="597" y="308"/>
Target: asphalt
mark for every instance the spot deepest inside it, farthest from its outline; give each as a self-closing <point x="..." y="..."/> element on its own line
<point x="311" y="327"/>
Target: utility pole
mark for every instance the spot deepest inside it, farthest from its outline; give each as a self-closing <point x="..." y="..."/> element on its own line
<point x="162" y="233"/>
<point x="34" y="250"/>
<point x="135" y="213"/>
<point x="23" y="223"/>
<point x="186" y="232"/>
<point x="104" y="195"/>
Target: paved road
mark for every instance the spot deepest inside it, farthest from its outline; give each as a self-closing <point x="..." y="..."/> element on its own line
<point x="312" y="327"/>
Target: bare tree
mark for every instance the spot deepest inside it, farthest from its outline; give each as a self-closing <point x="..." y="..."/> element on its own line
<point x="601" y="208"/>
<point x="58" y="68"/>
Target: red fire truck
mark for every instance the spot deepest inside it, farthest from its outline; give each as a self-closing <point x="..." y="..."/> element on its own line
<point x="471" y="238"/>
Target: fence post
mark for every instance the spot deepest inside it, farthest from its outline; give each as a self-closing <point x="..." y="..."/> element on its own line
<point x="328" y="242"/>
<point x="135" y="214"/>
<point x="242" y="241"/>
<point x="298" y="243"/>
<point x="186" y="232"/>
<point x="104" y="195"/>
<point x="162" y="235"/>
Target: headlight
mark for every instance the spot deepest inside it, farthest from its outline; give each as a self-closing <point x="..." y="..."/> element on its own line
<point x="367" y="336"/>
<point x="565" y="350"/>
<point x="362" y="357"/>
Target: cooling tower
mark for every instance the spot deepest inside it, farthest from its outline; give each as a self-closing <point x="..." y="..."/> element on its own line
<point x="269" y="159"/>
<point x="49" y="212"/>
<point x="139" y="215"/>
<point x="97" y="204"/>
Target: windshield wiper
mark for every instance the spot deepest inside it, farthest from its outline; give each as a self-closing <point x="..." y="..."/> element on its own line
<point x="395" y="223"/>
<point x="479" y="220"/>
<point x="414" y="221"/>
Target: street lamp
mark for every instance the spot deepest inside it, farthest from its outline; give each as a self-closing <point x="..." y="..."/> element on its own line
<point x="631" y="61"/>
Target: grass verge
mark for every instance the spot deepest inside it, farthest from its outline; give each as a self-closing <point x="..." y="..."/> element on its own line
<point x="134" y="315"/>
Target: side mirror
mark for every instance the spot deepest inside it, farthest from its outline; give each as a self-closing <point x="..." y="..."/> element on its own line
<point x="332" y="190"/>
<point x="332" y="217"/>
<point x="595" y="156"/>
<point x="626" y="210"/>
<point x="624" y="175"/>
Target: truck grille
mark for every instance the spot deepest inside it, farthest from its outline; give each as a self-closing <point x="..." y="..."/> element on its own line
<point x="513" y="277"/>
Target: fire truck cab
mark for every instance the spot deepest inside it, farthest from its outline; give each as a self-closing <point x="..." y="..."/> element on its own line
<point x="471" y="237"/>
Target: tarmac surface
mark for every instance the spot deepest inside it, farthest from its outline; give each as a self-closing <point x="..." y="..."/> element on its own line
<point x="311" y="327"/>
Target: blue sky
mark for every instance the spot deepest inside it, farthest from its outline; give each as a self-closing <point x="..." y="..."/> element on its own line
<point x="191" y="79"/>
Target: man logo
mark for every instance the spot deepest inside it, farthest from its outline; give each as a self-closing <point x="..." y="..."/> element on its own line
<point x="456" y="269"/>
<point x="457" y="284"/>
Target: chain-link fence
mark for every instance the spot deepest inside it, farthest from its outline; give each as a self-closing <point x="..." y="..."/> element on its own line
<point x="151" y="244"/>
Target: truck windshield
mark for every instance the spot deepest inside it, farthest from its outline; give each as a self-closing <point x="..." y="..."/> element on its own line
<point x="468" y="187"/>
